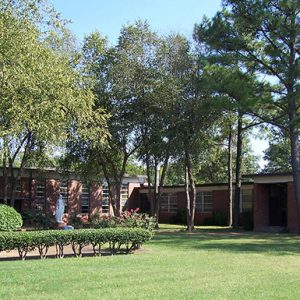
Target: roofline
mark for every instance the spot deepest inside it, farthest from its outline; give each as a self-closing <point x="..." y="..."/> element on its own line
<point x="289" y="173"/>
<point x="60" y="171"/>
<point x="197" y="185"/>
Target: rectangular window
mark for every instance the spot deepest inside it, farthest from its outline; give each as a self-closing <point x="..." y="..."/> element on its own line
<point x="204" y="202"/>
<point x="168" y="203"/>
<point x="246" y="200"/>
<point x="40" y="194"/>
<point x="105" y="199"/>
<point x="64" y="190"/>
<point x="18" y="186"/>
<point x="85" y="198"/>
<point x="124" y="196"/>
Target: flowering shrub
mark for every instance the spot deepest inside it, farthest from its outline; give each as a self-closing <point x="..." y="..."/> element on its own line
<point x="130" y="219"/>
<point x="104" y="222"/>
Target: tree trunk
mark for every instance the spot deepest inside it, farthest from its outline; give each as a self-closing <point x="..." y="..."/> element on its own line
<point x="294" y="139"/>
<point x="118" y="187"/>
<point x="238" y="174"/>
<point x="160" y="185"/>
<point x="5" y="173"/>
<point x="230" y="175"/>
<point x="190" y="190"/>
<point x="150" y="192"/>
<point x="188" y="198"/>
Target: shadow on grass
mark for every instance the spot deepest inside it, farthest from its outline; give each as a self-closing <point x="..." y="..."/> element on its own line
<point x="229" y="241"/>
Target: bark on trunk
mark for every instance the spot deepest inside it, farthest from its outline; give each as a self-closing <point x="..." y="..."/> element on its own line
<point x="230" y="175"/>
<point x="5" y="173"/>
<point x="294" y="139"/>
<point x="190" y="190"/>
<point x="296" y="169"/>
<point x="238" y="174"/>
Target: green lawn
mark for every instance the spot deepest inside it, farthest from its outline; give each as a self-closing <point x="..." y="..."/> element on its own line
<point x="209" y="264"/>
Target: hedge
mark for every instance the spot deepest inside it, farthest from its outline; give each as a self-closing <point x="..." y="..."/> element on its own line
<point x="118" y="240"/>
<point x="10" y="219"/>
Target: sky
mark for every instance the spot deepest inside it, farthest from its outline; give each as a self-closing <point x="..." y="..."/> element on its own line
<point x="108" y="16"/>
<point x="164" y="17"/>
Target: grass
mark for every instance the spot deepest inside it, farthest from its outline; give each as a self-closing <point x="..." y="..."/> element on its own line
<point x="212" y="263"/>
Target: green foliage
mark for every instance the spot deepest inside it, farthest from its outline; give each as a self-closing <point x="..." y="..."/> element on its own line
<point x="10" y="219"/>
<point x="48" y="94"/>
<point x="75" y="220"/>
<point x="247" y="220"/>
<point x="130" y="238"/>
<point x="278" y="154"/>
<point x="128" y="219"/>
<point x="105" y="221"/>
<point x="180" y="217"/>
<point x="37" y="219"/>
<point x="217" y="219"/>
<point x="133" y="219"/>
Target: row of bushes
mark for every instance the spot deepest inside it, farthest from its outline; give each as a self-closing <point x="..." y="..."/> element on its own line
<point x="117" y="240"/>
<point x="131" y="218"/>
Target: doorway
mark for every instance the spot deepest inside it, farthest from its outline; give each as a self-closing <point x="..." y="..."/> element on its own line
<point x="278" y="204"/>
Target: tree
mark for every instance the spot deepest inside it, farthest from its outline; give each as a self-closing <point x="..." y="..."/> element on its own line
<point x="278" y="154"/>
<point x="262" y="36"/>
<point x="45" y="94"/>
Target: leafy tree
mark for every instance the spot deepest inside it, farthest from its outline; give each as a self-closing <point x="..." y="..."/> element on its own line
<point x="260" y="37"/>
<point x="39" y="98"/>
<point x="278" y="154"/>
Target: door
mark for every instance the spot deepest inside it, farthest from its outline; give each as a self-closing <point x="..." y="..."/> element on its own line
<point x="278" y="204"/>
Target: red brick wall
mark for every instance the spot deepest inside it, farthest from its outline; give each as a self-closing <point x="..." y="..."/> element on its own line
<point x="52" y="192"/>
<point x="33" y="193"/>
<point x="292" y="215"/>
<point x="95" y="199"/>
<point x="74" y="196"/>
<point x="261" y="206"/>
<point x="221" y="202"/>
<point x="133" y="199"/>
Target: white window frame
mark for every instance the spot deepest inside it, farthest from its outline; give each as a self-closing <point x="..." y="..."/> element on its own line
<point x="201" y="203"/>
<point x="105" y="199"/>
<point x="171" y="200"/>
<point x="40" y="197"/>
<point x="85" y="198"/>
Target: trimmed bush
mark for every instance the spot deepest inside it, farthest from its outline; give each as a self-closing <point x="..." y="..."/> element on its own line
<point x="129" y="219"/>
<point x="37" y="219"/>
<point x="118" y="240"/>
<point x="217" y="219"/>
<point x="247" y="218"/>
<point x="10" y="219"/>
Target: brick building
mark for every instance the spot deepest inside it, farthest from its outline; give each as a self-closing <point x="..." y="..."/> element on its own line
<point x="268" y="198"/>
<point x="39" y="189"/>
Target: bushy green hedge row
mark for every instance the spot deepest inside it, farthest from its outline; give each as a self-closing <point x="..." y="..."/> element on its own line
<point x="117" y="239"/>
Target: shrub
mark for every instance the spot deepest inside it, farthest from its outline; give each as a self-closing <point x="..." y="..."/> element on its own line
<point x="128" y="238"/>
<point x="75" y="220"/>
<point x="180" y="217"/>
<point x="247" y="218"/>
<point x="217" y="219"/>
<point x="37" y="219"/>
<point x="104" y="222"/>
<point x="129" y="219"/>
<point x="132" y="219"/>
<point x="10" y="219"/>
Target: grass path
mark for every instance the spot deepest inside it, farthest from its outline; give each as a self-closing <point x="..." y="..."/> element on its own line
<point x="207" y="264"/>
